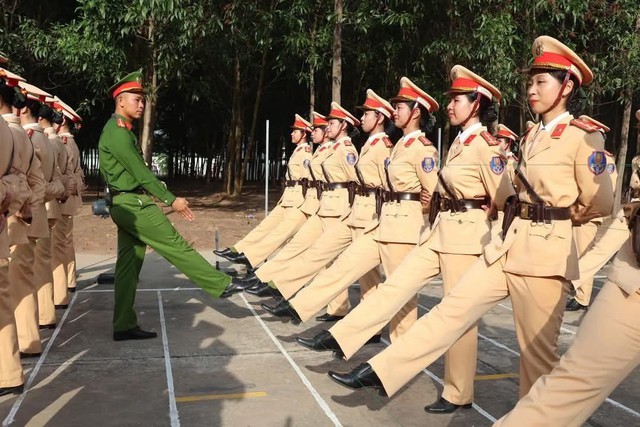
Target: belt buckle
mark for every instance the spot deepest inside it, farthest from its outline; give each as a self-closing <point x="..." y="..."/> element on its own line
<point x="524" y="211"/>
<point x="443" y="204"/>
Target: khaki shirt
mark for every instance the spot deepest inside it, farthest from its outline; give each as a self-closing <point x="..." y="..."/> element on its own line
<point x="565" y="165"/>
<point x="297" y="169"/>
<point x="371" y="164"/>
<point x="338" y="166"/>
<point x="74" y="203"/>
<point x="475" y="169"/>
<point x="311" y="203"/>
<point x="412" y="166"/>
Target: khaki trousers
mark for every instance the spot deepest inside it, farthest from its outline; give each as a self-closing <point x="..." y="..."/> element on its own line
<point x="289" y="225"/>
<point x="584" y="237"/>
<point x="266" y="226"/>
<point x="25" y="296"/>
<point x="43" y="276"/>
<point x="60" y="255"/>
<point x="606" y="349"/>
<point x="362" y="256"/>
<point x="10" y="367"/>
<point x="608" y="241"/>
<point x="538" y="306"/>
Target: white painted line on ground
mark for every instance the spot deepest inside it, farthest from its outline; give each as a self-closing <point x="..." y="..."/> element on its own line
<point x="173" y="407"/>
<point x="177" y="288"/>
<point x="16" y="405"/>
<point x="439" y="381"/>
<point x="321" y="402"/>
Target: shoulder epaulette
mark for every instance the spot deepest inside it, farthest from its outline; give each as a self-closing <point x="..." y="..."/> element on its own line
<point x="347" y="142"/>
<point x="409" y="142"/>
<point x="491" y="140"/>
<point x="337" y="144"/>
<point x="424" y="140"/>
<point x="469" y="139"/>
<point x="30" y="133"/>
<point x="584" y="125"/>
<point x="387" y="142"/>
<point x="122" y="124"/>
<point x="307" y="149"/>
<point x="64" y="139"/>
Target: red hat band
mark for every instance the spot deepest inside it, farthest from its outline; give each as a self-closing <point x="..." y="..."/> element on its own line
<point x="317" y="122"/>
<point x="299" y="125"/>
<point x="127" y="87"/>
<point x="469" y="85"/>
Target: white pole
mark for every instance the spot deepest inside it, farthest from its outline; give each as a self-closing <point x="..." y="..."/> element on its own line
<point x="266" y="172"/>
<point x="439" y="147"/>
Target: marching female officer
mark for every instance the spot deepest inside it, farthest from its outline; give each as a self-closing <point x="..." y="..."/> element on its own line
<point x="471" y="178"/>
<point x="283" y="221"/>
<point x="562" y="164"/>
<point x="506" y="137"/>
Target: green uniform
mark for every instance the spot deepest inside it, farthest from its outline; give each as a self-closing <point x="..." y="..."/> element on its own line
<point x="142" y="223"/>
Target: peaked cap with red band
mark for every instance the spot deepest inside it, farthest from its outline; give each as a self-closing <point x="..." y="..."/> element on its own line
<point x="530" y="124"/>
<point x="34" y="92"/>
<point x="319" y="120"/>
<point x="409" y="91"/>
<point x="550" y="54"/>
<point x="339" y="113"/>
<point x="464" y="80"/>
<point x="301" y="124"/>
<point x="505" y="132"/>
<point x="68" y="111"/>
<point x="601" y="126"/>
<point x="12" y="79"/>
<point x="130" y="83"/>
<point x="375" y="103"/>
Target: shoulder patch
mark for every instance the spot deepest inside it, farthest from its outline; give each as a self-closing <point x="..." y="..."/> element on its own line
<point x="496" y="164"/>
<point x="387" y="142"/>
<point x="409" y="142"/>
<point x="425" y="141"/>
<point x="351" y="159"/>
<point x="558" y="131"/>
<point x="428" y="164"/>
<point x="584" y="125"/>
<point x="491" y="140"/>
<point x="597" y="162"/>
<point x="468" y="140"/>
<point x="122" y="124"/>
<point x="611" y="168"/>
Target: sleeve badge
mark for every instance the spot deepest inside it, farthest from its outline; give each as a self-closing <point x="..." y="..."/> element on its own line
<point x="597" y="162"/>
<point x="497" y="165"/>
<point x="428" y="164"/>
<point x="351" y="159"/>
<point x="306" y="163"/>
<point x="611" y="168"/>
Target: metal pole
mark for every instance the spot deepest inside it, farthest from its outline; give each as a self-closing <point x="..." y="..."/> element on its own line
<point x="439" y="146"/>
<point x="266" y="172"/>
<point x="216" y="243"/>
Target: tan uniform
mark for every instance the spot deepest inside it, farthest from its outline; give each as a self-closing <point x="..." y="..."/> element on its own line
<point x="63" y="252"/>
<point x="411" y="167"/>
<point x="474" y="169"/>
<point x="585" y="236"/>
<point x="337" y="238"/>
<point x="41" y="233"/>
<point x="286" y="218"/>
<point x="23" y="240"/>
<point x="533" y="264"/>
<point x="10" y="368"/>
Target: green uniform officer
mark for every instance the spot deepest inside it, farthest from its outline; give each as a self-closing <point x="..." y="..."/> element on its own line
<point x="140" y="221"/>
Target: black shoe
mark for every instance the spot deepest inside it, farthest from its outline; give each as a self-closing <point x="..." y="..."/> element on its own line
<point x="443" y="406"/>
<point x="324" y="341"/>
<point x="62" y="306"/>
<point x="233" y="288"/>
<point x="574" y="305"/>
<point x="361" y="377"/>
<point x="49" y="326"/>
<point x="228" y="256"/>
<point x="18" y="389"/>
<point x="71" y="290"/>
<point x="29" y="355"/>
<point x="373" y="340"/>
<point x="249" y="281"/>
<point x="223" y="253"/>
<point x="133" y="334"/>
<point x="263" y="290"/>
<point x="283" y="309"/>
<point x="239" y="259"/>
<point x="329" y="318"/>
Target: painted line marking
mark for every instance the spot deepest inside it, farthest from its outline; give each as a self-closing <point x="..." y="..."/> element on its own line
<point x="177" y="288"/>
<point x="207" y="397"/>
<point x="16" y="405"/>
<point x="173" y="407"/>
<point x="321" y="402"/>
<point x="496" y="376"/>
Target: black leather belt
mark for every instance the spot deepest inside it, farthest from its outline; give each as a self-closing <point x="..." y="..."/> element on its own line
<point x="398" y="196"/>
<point x="366" y="191"/>
<point x="137" y="190"/>
<point x="541" y="213"/>
<point x="464" y="204"/>
<point x="292" y="183"/>
<point x="336" y="185"/>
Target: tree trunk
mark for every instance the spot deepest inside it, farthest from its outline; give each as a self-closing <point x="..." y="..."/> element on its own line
<point x="233" y="139"/>
<point x="336" y="71"/>
<point x="149" y="117"/>
<point x="312" y="93"/>
<point x="627" y="97"/>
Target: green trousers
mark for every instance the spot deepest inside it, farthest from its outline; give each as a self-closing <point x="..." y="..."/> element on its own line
<point x="142" y="223"/>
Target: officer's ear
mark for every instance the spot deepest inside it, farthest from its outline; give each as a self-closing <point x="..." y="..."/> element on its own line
<point x="120" y="100"/>
<point x="568" y="88"/>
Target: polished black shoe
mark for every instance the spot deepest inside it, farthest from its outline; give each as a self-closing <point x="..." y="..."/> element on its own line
<point x="133" y="334"/>
<point x="323" y="341"/>
<point x="29" y="355"/>
<point x="239" y="259"/>
<point x="443" y="406"/>
<point x="229" y="256"/>
<point x="233" y="288"/>
<point x="62" y="306"/>
<point x="11" y="390"/>
<point x="361" y="377"/>
<point x="283" y="309"/>
<point x="248" y="281"/>
<point x="71" y="290"/>
<point x="263" y="290"/>
<point x="574" y="305"/>
<point x="49" y="326"/>
<point x="223" y="253"/>
<point x="329" y="318"/>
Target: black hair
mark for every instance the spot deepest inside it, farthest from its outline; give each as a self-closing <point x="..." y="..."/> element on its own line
<point x="577" y="98"/>
<point x="49" y="114"/>
<point x="487" y="111"/>
<point x="427" y="120"/>
<point x="352" y="130"/>
<point x="33" y="106"/>
<point x="11" y="95"/>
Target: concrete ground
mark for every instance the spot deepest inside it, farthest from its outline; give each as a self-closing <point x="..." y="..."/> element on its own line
<point x="226" y="362"/>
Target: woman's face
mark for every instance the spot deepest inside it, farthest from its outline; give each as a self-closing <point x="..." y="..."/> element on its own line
<point x="459" y="109"/>
<point x="542" y="92"/>
<point x="505" y="143"/>
<point x="369" y="120"/>
<point x="334" y="129"/>
<point x="296" y="136"/>
<point x="401" y="114"/>
<point x="317" y="135"/>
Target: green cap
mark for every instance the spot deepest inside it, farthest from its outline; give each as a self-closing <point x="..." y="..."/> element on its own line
<point x="130" y="83"/>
